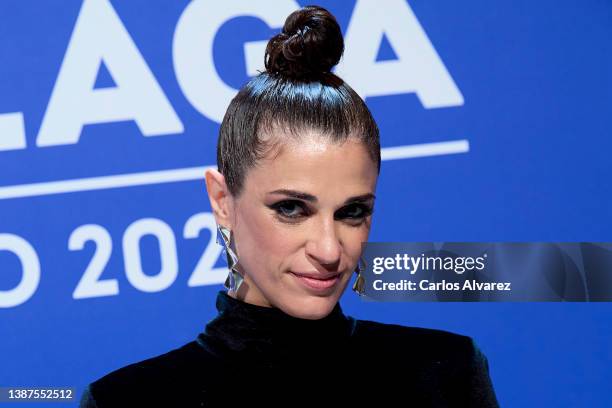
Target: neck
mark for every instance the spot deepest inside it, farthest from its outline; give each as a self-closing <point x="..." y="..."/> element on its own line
<point x="248" y="331"/>
<point x="244" y="296"/>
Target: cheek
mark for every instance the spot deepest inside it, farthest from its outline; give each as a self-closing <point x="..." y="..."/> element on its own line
<point x="263" y="243"/>
<point x="353" y="239"/>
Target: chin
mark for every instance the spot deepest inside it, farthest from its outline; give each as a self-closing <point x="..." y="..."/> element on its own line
<point x="311" y="307"/>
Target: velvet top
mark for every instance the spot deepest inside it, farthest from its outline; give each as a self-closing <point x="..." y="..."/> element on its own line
<point x="260" y="355"/>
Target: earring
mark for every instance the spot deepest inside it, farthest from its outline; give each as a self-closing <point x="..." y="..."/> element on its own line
<point x="234" y="278"/>
<point x="359" y="285"/>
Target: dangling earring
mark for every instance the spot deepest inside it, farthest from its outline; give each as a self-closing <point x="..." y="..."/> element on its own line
<point x="234" y="278"/>
<point x="359" y="285"/>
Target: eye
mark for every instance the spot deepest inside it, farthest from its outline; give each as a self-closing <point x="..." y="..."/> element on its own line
<point x="289" y="208"/>
<point x="354" y="211"/>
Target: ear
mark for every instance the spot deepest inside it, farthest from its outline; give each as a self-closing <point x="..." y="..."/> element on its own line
<point x="219" y="196"/>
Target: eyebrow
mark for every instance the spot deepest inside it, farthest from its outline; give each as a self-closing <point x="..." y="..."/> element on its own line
<point x="313" y="199"/>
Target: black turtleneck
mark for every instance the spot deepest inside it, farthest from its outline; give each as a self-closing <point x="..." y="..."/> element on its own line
<point x="255" y="354"/>
<point x="268" y="337"/>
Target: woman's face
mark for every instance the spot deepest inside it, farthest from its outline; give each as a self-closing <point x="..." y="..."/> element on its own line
<point x="304" y="211"/>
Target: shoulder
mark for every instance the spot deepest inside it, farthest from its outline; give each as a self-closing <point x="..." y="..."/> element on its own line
<point x="149" y="379"/>
<point x="420" y="348"/>
<point x="160" y="365"/>
<point x="441" y="365"/>
<point x="389" y="334"/>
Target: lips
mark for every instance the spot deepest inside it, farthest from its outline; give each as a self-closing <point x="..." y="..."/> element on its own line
<point x="315" y="275"/>
<point x="316" y="281"/>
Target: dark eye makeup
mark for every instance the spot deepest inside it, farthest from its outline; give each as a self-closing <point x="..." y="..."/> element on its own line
<point x="294" y="210"/>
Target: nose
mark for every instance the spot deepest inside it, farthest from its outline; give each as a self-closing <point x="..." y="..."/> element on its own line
<point x="324" y="246"/>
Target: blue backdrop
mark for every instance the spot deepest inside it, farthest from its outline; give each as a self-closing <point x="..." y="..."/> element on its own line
<point x="495" y="121"/>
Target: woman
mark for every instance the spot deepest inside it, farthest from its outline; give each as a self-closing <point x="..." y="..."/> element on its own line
<point x="298" y="162"/>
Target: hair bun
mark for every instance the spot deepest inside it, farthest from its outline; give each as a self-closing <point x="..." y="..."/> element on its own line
<point x="310" y="44"/>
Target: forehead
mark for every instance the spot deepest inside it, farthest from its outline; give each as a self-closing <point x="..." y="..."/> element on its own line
<point x="314" y="164"/>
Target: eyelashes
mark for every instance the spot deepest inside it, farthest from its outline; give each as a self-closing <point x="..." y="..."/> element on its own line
<point x="294" y="210"/>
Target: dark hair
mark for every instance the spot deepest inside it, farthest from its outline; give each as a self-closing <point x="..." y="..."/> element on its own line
<point x="297" y="92"/>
